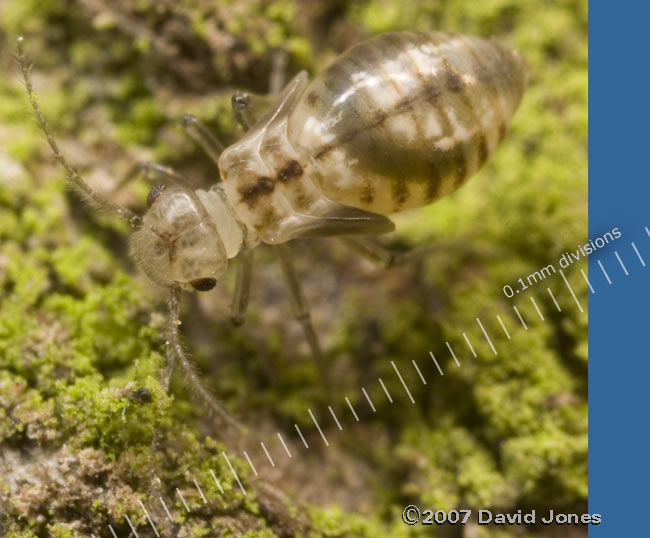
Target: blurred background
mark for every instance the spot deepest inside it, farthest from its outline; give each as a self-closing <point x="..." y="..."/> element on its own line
<point x="80" y="351"/>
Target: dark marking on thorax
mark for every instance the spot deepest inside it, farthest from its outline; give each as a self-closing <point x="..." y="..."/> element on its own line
<point x="289" y="171"/>
<point x="264" y="186"/>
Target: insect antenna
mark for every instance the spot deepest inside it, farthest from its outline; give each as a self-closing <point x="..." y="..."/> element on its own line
<point x="86" y="191"/>
<point x="176" y="358"/>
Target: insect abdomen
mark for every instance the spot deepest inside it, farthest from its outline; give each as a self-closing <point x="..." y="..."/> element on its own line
<point x="404" y="118"/>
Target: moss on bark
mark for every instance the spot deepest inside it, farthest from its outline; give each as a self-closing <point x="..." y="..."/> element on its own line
<point x="80" y="352"/>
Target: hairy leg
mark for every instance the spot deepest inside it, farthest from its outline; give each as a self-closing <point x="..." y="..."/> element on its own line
<point x="177" y="359"/>
<point x="242" y="287"/>
<point x="300" y="311"/>
<point x="76" y="181"/>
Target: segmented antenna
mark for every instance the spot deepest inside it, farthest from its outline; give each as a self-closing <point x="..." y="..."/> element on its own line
<point x="77" y="182"/>
<point x="179" y="361"/>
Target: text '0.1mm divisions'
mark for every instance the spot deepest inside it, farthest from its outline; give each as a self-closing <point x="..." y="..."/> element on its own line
<point x="569" y="257"/>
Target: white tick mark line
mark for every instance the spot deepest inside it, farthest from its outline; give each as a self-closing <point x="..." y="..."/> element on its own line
<point x="436" y="362"/>
<point x="301" y="436"/>
<point x="469" y="345"/>
<point x="520" y="318"/>
<point x="637" y="253"/>
<point x="486" y="336"/>
<point x="148" y="517"/>
<point x="352" y="409"/>
<point x="217" y="482"/>
<point x="268" y="456"/>
<point x="182" y="499"/>
<point x="587" y="281"/>
<point x="248" y="459"/>
<point x="232" y="470"/>
<point x="334" y="417"/>
<point x="132" y="527"/>
<point x="286" y="448"/>
<point x="205" y="501"/>
<point x="453" y="354"/>
<point x="503" y="327"/>
<point x="169" y="516"/>
<point x="318" y="428"/>
<point x="381" y="382"/>
<point x="369" y="400"/>
<point x="604" y="272"/>
<point x="621" y="262"/>
<point x="112" y="531"/>
<point x="553" y="297"/>
<point x="402" y="380"/>
<point x="537" y="308"/>
<point x="424" y="381"/>
<point x="647" y="231"/>
<point x="571" y="290"/>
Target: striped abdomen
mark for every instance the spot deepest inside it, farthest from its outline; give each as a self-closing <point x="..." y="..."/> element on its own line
<point x="404" y="118"/>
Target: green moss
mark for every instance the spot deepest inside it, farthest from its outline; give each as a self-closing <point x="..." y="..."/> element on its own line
<point x="60" y="530"/>
<point x="79" y="331"/>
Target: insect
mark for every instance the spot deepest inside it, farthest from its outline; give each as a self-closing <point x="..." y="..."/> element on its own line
<point x="396" y="122"/>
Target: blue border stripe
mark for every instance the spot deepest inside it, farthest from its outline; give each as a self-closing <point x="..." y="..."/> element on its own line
<point x="619" y="196"/>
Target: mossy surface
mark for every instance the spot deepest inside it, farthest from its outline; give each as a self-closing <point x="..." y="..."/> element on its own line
<point x="80" y="351"/>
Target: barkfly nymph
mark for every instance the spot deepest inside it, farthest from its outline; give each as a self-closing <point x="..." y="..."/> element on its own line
<point x="396" y="122"/>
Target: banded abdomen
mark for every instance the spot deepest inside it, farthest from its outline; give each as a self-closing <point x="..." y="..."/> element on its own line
<point x="404" y="118"/>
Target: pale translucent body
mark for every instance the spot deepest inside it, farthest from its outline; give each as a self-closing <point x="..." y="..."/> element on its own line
<point x="396" y="122"/>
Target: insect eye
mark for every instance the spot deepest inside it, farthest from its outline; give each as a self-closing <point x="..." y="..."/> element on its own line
<point x="154" y="193"/>
<point x="204" y="284"/>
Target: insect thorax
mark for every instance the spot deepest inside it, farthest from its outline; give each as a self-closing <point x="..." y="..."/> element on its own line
<point x="266" y="180"/>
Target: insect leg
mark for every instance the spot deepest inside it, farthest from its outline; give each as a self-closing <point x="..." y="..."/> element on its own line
<point x="152" y="172"/>
<point x="79" y="184"/>
<point x="176" y="358"/>
<point x="198" y="132"/>
<point x="387" y="258"/>
<point x="249" y="108"/>
<point x="242" y="109"/>
<point x="242" y="287"/>
<point x="372" y="251"/>
<point x="301" y="311"/>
